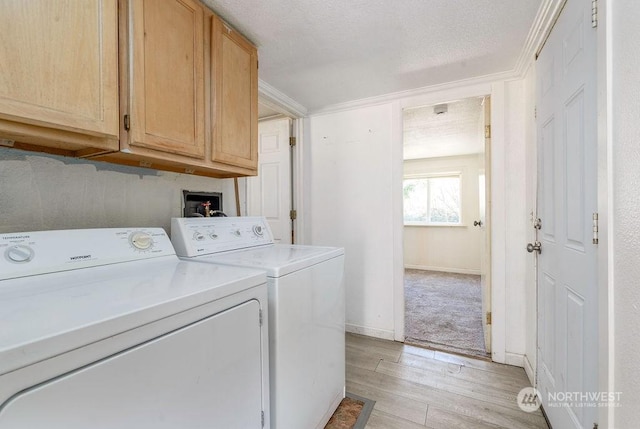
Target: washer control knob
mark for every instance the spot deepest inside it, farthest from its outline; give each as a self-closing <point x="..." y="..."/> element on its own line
<point x="19" y="253"/>
<point x="141" y="240"/>
<point x="257" y="230"/>
<point x="236" y="232"/>
<point x="198" y="236"/>
<point x="213" y="236"/>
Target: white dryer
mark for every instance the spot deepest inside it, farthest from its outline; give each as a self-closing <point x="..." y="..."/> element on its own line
<point x="107" y="328"/>
<point x="306" y="311"/>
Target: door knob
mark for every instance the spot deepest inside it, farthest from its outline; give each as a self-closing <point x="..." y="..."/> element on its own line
<point x="537" y="246"/>
<point x="477" y="223"/>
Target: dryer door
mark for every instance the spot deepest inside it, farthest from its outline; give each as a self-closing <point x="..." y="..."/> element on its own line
<point x="205" y="375"/>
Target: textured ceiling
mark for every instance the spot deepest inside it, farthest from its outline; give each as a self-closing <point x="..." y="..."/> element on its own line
<point x="457" y="132"/>
<point x="323" y="52"/>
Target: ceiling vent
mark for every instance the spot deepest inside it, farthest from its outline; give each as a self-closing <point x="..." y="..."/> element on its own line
<point x="439" y="109"/>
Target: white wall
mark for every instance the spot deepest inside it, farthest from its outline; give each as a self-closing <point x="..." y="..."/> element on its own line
<point x="353" y="166"/>
<point x="447" y="248"/>
<point x="349" y="204"/>
<point x="516" y="220"/>
<point x="43" y="192"/>
<point x="624" y="227"/>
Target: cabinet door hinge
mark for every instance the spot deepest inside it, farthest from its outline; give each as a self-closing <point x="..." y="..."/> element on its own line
<point x="488" y="318"/>
<point x="487" y="131"/>
<point x="260" y="317"/>
<point x="292" y="141"/>
<point x="595" y="228"/>
<point x="293" y="214"/>
<point x="594" y="13"/>
<point x="262" y="418"/>
<point x="127" y="125"/>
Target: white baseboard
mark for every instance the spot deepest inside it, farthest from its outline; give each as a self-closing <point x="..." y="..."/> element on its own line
<point x="443" y="269"/>
<point x="528" y="368"/>
<point x="514" y="359"/>
<point x="370" y="332"/>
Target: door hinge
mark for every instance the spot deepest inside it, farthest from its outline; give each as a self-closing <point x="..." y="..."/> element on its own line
<point x="260" y="317"/>
<point x="488" y="318"/>
<point x="292" y="141"/>
<point x="595" y="228"/>
<point x="293" y="214"/>
<point x="127" y="125"/>
<point x="537" y="224"/>
<point x="262" y="418"/>
<point x="487" y="131"/>
<point x="535" y="112"/>
<point x="594" y="13"/>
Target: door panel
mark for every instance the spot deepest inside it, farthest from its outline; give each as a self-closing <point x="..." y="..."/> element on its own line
<point x="269" y="194"/>
<point x="235" y="97"/>
<point x="574" y="172"/>
<point x="168" y="76"/>
<point x="236" y="116"/>
<point x="547" y="158"/>
<point x="567" y="295"/>
<point x="547" y="343"/>
<point x="60" y="64"/>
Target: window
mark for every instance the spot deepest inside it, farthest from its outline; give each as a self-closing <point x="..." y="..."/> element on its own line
<point x="432" y="200"/>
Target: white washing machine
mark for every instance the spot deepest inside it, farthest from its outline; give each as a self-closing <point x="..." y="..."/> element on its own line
<point x="306" y="311"/>
<point x="107" y="328"/>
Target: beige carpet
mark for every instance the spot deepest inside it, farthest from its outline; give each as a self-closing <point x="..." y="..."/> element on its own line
<point x="444" y="311"/>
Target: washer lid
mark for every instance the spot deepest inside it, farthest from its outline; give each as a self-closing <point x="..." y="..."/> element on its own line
<point x="277" y="259"/>
<point x="45" y="315"/>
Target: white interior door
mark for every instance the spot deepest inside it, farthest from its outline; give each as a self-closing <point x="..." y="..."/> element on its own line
<point x="269" y="193"/>
<point x="566" y="268"/>
<point x="484" y="189"/>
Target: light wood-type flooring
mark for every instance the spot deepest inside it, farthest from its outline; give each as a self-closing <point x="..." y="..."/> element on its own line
<point x="416" y="388"/>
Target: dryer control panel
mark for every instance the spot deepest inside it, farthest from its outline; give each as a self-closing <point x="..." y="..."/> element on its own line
<point x="203" y="236"/>
<point x="39" y="252"/>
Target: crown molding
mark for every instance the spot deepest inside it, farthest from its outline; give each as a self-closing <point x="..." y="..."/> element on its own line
<point x="416" y="92"/>
<point x="280" y="102"/>
<point x="543" y="23"/>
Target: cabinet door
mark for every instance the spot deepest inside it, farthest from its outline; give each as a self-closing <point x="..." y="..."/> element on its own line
<point x="59" y="66"/>
<point x="235" y="85"/>
<point x="167" y="83"/>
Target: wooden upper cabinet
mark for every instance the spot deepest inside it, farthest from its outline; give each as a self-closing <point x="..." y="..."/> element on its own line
<point x="234" y="86"/>
<point x="59" y="75"/>
<point x="163" y="84"/>
<point x="166" y="91"/>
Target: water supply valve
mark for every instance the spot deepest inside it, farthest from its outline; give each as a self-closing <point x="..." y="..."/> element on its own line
<point x="207" y="211"/>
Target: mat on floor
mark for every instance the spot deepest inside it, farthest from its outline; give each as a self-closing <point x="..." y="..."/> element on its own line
<point x="352" y="413"/>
